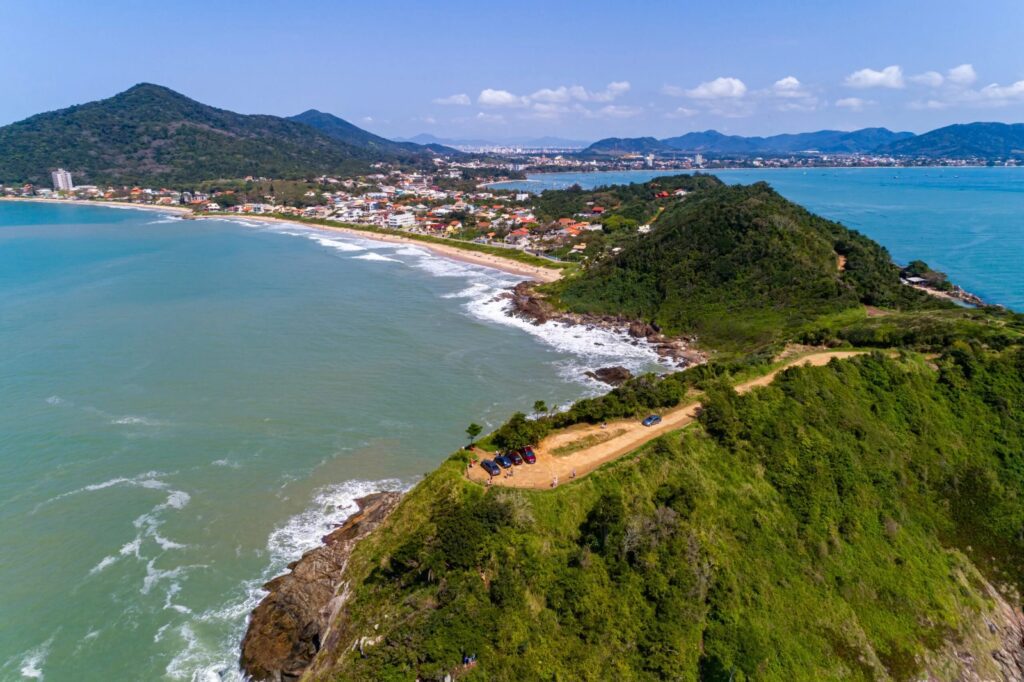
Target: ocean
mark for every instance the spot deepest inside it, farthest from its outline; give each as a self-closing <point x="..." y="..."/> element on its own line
<point x="966" y="222"/>
<point x="187" y="406"/>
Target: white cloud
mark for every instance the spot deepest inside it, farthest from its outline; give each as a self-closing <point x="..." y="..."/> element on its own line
<point x="499" y="98"/>
<point x="889" y="77"/>
<point x="617" y="111"/>
<point x="931" y="104"/>
<point x="682" y="112"/>
<point x="853" y="103"/>
<point x="720" y="88"/>
<point x="1002" y="94"/>
<point x="932" y="79"/>
<point x="962" y="75"/>
<point x="490" y="118"/>
<point x="461" y="99"/>
<point x="789" y="86"/>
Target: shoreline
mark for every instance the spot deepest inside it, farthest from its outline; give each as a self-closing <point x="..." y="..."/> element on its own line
<point x="455" y="253"/>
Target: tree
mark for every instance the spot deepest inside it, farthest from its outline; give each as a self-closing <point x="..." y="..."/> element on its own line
<point x="473" y="430"/>
<point x="540" y="406"/>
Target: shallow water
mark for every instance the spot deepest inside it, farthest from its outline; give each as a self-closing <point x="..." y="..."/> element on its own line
<point x="186" y="406"/>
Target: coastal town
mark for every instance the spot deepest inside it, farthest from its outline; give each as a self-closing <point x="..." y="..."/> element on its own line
<point x="437" y="204"/>
<point x="460" y="202"/>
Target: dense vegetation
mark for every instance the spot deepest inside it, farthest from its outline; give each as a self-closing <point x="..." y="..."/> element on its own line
<point x="622" y="205"/>
<point x="840" y="523"/>
<point x="155" y="136"/>
<point x="740" y="267"/>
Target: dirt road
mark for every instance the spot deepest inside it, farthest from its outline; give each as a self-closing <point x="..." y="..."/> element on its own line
<point x="617" y="438"/>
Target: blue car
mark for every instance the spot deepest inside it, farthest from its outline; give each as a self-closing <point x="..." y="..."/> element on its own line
<point x="651" y="420"/>
<point x="503" y="460"/>
<point x="490" y="467"/>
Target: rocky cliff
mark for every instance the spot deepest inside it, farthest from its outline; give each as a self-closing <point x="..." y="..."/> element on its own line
<point x="288" y="627"/>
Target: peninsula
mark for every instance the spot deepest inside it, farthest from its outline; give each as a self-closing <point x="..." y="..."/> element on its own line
<point x="830" y="495"/>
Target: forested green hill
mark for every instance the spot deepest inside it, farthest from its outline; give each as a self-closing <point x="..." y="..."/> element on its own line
<point x="152" y="135"/>
<point x="739" y="266"/>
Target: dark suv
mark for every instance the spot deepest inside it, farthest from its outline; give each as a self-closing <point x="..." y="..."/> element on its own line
<point x="490" y="467"/>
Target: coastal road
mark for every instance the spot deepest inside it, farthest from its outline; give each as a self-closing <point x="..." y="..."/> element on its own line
<point x="594" y="446"/>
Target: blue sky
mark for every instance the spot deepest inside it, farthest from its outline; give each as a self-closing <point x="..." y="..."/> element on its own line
<point x="574" y="69"/>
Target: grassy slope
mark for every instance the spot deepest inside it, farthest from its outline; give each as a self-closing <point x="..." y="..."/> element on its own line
<point x="816" y="529"/>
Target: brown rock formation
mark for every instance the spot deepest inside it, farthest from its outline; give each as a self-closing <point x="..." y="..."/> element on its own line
<point x="613" y="376"/>
<point x="286" y="629"/>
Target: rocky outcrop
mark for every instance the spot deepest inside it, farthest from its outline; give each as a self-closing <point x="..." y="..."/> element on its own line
<point x="530" y="305"/>
<point x="613" y="376"/>
<point x="287" y="628"/>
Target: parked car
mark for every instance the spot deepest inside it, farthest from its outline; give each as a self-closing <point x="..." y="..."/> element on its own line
<point x="490" y="467"/>
<point x="516" y="458"/>
<point x="651" y="420"/>
<point x="503" y="460"/>
<point x="529" y="456"/>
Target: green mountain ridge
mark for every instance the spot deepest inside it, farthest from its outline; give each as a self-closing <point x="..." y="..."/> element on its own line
<point x="963" y="141"/>
<point x="980" y="140"/>
<point x="152" y="135"/>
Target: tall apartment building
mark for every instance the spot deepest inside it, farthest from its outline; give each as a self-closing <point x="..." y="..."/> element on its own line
<point x="61" y="180"/>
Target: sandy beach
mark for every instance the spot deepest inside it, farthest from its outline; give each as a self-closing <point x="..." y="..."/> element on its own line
<point x="514" y="267"/>
<point x="541" y="274"/>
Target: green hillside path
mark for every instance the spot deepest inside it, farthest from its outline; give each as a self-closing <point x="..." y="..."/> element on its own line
<point x="589" y="446"/>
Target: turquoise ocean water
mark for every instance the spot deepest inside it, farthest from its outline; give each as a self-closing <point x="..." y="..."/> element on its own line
<point x="967" y="222"/>
<point x="186" y="406"/>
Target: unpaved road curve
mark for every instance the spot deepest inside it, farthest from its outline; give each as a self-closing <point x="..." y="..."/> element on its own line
<point x="633" y="434"/>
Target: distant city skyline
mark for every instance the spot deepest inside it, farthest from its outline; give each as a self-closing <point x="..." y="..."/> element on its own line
<point x="576" y="70"/>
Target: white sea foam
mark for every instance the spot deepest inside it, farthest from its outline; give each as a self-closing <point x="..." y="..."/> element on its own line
<point x="337" y="244"/>
<point x="32" y="663"/>
<point x="377" y="257"/>
<point x="154" y="576"/>
<point x="108" y="560"/>
<point x="55" y="400"/>
<point x="132" y="548"/>
<point x="150" y="479"/>
<point x="590" y="348"/>
<point x="595" y="347"/>
<point x="216" y="660"/>
<point x="228" y="463"/>
<point x="166" y="544"/>
<point x="132" y="420"/>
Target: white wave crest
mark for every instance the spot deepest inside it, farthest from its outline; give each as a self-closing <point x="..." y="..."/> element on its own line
<point x="216" y="660"/>
<point x="108" y="560"/>
<point x="377" y="257"/>
<point x="32" y="663"/>
<point x="337" y="244"/>
<point x="131" y="420"/>
<point x="596" y="347"/>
